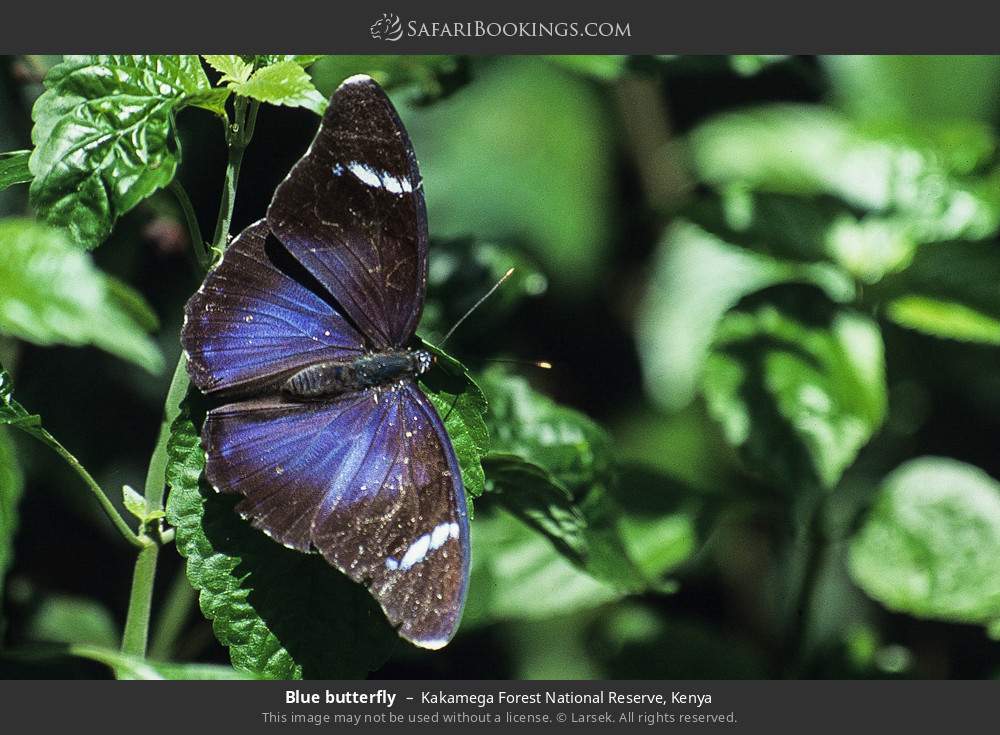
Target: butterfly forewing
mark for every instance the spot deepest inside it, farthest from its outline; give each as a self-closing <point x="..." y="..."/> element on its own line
<point x="251" y="323"/>
<point x="352" y="212"/>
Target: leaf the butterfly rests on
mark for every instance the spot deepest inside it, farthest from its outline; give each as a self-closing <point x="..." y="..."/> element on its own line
<point x="308" y="325"/>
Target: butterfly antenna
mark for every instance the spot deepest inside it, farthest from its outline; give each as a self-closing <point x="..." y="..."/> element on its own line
<point x="475" y="306"/>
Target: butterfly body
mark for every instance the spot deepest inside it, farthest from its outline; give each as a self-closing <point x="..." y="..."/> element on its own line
<point x="336" y="377"/>
<point x="307" y="327"/>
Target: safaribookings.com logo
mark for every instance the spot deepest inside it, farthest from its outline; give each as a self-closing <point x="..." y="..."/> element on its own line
<point x="390" y="28"/>
<point x="387" y="28"/>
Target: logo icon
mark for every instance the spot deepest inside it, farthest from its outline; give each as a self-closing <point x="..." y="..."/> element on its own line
<point x="387" y="28"/>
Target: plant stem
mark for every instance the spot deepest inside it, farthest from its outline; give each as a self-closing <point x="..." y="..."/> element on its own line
<point x="794" y="653"/>
<point x="170" y="623"/>
<point x="197" y="241"/>
<point x="136" y="635"/>
<point x="238" y="136"/>
<point x="156" y="474"/>
<point x="140" y="601"/>
<point x="102" y="498"/>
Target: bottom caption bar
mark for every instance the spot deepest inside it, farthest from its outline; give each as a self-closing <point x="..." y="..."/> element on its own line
<point x="273" y="707"/>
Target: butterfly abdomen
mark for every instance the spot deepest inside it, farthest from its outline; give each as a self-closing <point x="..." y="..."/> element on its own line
<point x="327" y="379"/>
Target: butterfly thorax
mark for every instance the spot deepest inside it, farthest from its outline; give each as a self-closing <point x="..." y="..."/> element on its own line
<point x="328" y="379"/>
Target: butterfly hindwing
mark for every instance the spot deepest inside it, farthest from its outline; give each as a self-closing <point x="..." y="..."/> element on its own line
<point x="252" y="323"/>
<point x="373" y="485"/>
<point x="352" y="212"/>
<point x="282" y="457"/>
<point x="399" y="524"/>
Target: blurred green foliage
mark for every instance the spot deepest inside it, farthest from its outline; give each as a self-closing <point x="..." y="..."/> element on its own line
<point x="931" y="542"/>
<point x="514" y="156"/>
<point x="768" y="287"/>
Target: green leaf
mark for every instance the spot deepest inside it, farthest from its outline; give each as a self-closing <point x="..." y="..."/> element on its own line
<point x="812" y="150"/>
<point x="944" y="319"/>
<point x="232" y="68"/>
<point x="285" y="83"/>
<point x="868" y="246"/>
<point x="517" y="574"/>
<point x="300" y="59"/>
<point x="462" y="407"/>
<point x="540" y="501"/>
<point x="132" y="303"/>
<point x="282" y="614"/>
<point x="549" y="460"/>
<point x="696" y="279"/>
<point x="13" y="413"/>
<point x="11" y="488"/>
<point x="799" y="397"/>
<point x="133" y="667"/>
<point x="390" y="71"/>
<point x="14" y="168"/>
<point x="950" y="291"/>
<point x="526" y="423"/>
<point x="105" y="139"/>
<point x="537" y="498"/>
<point x="660" y="519"/>
<point x="599" y="66"/>
<point x="134" y="502"/>
<point x="213" y="100"/>
<point x="930" y="544"/>
<point x="68" y="619"/>
<point x="917" y="88"/>
<point x="53" y="294"/>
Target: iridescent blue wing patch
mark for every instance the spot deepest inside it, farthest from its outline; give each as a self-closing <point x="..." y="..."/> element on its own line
<point x="373" y="485"/>
<point x="251" y="323"/>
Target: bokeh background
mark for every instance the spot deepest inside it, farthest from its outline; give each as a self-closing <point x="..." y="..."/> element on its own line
<point x="775" y="281"/>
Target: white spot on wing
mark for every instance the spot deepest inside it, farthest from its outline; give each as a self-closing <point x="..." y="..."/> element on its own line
<point x="420" y="548"/>
<point x="417" y="551"/>
<point x="442" y="533"/>
<point x="395" y="185"/>
<point x="378" y="179"/>
<point x="365" y="173"/>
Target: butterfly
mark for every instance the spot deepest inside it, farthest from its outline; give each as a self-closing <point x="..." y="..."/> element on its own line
<point x="307" y="326"/>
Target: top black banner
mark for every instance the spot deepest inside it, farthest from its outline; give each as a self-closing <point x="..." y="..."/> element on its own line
<point x="514" y="26"/>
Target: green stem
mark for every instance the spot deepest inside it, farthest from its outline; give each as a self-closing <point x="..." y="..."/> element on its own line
<point x="156" y="474"/>
<point x="811" y="540"/>
<point x="170" y="624"/>
<point x="102" y="498"/>
<point x="134" y="640"/>
<point x="140" y="601"/>
<point x="204" y="257"/>
<point x="238" y="136"/>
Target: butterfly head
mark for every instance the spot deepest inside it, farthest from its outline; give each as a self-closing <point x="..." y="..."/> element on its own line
<point x="422" y="361"/>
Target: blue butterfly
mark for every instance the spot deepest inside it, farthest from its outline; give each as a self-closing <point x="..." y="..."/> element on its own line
<point x="307" y="326"/>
